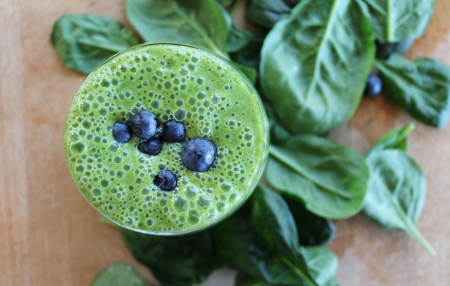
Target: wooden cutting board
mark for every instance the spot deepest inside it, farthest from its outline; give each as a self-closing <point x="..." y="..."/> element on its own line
<point x="49" y="235"/>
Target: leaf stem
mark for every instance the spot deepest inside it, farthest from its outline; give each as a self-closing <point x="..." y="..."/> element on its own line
<point x="389" y="28"/>
<point x="298" y="272"/>
<point x="414" y="232"/>
<point x="412" y="229"/>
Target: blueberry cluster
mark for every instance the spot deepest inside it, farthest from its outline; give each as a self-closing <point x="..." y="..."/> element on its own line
<point x="197" y="154"/>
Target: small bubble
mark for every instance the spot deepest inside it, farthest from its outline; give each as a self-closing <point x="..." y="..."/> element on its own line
<point x="96" y="192"/>
<point x="180" y="114"/>
<point x="193" y="217"/>
<point x="200" y="80"/>
<point x="221" y="207"/>
<point x="201" y="95"/>
<point x="128" y="221"/>
<point x="191" y="192"/>
<point x="180" y="203"/>
<point x="105" y="82"/>
<point x="104" y="183"/>
<point x="184" y="71"/>
<point x="248" y="137"/>
<point x="191" y="67"/>
<point x="84" y="106"/>
<point x="226" y="187"/>
<point x="78" y="147"/>
<point x="203" y="202"/>
<point x="114" y="147"/>
<point x="155" y="104"/>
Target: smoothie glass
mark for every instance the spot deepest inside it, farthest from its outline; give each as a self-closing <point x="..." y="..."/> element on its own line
<point x="213" y="99"/>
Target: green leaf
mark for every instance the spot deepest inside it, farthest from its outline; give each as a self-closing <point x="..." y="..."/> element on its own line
<point x="267" y="13"/>
<point x="396" y="192"/>
<point x="237" y="39"/>
<point x="250" y="55"/>
<point x="197" y="22"/>
<point x="386" y="49"/>
<point x="422" y="88"/>
<point x="312" y="229"/>
<point x="118" y="274"/>
<point x="314" y="64"/>
<point x="249" y="72"/>
<point x="331" y="179"/>
<point x="242" y="247"/>
<point x="185" y="260"/>
<point x="278" y="134"/>
<point x="225" y="3"/>
<point x="398" y="20"/>
<point x="396" y="139"/>
<point x="273" y="220"/>
<point x="84" y="41"/>
<point x="243" y="279"/>
<point x="322" y="264"/>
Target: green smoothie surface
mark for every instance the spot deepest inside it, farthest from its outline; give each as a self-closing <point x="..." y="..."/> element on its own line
<point x="173" y="81"/>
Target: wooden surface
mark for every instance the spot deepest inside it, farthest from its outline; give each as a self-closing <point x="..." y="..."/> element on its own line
<point x="49" y="235"/>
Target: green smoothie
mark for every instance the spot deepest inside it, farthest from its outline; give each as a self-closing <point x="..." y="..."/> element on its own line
<point x="173" y="81"/>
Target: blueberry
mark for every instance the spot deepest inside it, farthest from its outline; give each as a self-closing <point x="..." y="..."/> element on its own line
<point x="151" y="147"/>
<point x="121" y="132"/>
<point x="198" y="154"/>
<point x="144" y="124"/>
<point x="373" y="85"/>
<point x="166" y="180"/>
<point x="173" y="131"/>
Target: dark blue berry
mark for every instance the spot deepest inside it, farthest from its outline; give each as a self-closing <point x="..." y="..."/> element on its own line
<point x="151" y="147"/>
<point x="121" y="132"/>
<point x="173" y="131"/>
<point x="144" y="124"/>
<point x="373" y="85"/>
<point x="166" y="180"/>
<point x="198" y="154"/>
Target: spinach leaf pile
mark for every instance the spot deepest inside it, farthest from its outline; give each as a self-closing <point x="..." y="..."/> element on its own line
<point x="309" y="60"/>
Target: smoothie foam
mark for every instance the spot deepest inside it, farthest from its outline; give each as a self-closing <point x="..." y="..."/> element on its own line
<point x="172" y="81"/>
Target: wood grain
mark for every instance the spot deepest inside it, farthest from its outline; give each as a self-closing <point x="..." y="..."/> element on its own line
<point x="50" y="236"/>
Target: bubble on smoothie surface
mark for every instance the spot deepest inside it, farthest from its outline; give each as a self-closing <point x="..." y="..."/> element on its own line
<point x="172" y="83"/>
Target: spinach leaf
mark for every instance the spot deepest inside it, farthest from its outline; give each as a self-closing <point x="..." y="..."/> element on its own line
<point x="396" y="192"/>
<point x="267" y="13"/>
<point x="277" y="132"/>
<point x="225" y="3"/>
<point x="185" y="260"/>
<point x="396" y="139"/>
<point x="331" y="179"/>
<point x="386" y="49"/>
<point x="312" y="230"/>
<point x="314" y="64"/>
<point x="250" y="54"/>
<point x="398" y="20"/>
<point x="118" y="274"/>
<point x="249" y="72"/>
<point x="273" y="220"/>
<point x="84" y="41"/>
<point x="198" y="22"/>
<point x="422" y="88"/>
<point x="322" y="264"/>
<point x="243" y="279"/>
<point x="237" y="39"/>
<point x="253" y="250"/>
